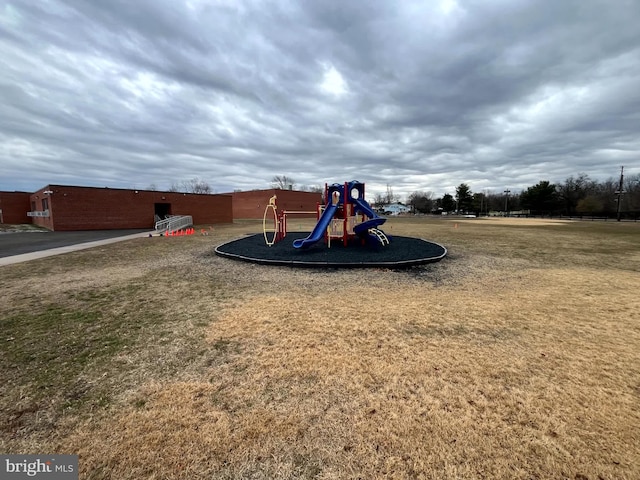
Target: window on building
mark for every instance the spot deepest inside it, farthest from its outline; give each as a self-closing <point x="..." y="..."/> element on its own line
<point x="45" y="204"/>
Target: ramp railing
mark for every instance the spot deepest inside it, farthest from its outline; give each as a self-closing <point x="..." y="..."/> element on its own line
<point x="174" y="222"/>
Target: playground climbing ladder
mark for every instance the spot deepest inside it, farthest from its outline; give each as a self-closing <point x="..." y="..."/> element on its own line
<point x="379" y="234"/>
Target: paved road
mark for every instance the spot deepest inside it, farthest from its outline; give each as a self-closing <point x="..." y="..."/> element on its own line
<point x="39" y="244"/>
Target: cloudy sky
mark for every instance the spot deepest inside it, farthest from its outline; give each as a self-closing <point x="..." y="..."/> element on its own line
<point x="419" y="95"/>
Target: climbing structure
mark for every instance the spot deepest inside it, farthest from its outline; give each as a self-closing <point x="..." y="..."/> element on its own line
<point x="345" y="217"/>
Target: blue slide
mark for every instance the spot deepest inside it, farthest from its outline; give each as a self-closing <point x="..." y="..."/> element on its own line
<point x="319" y="229"/>
<point x="374" y="220"/>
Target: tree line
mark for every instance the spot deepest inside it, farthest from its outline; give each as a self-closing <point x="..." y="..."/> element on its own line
<point x="576" y="196"/>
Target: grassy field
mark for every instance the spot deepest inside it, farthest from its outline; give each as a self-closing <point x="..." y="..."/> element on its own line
<point x="516" y="357"/>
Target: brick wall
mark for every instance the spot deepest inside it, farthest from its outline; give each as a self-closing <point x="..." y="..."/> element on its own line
<point x="86" y="208"/>
<point x="251" y="205"/>
<point x="14" y="206"/>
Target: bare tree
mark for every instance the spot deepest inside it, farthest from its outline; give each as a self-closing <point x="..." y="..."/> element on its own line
<point x="283" y="182"/>
<point x="573" y="190"/>
<point x="632" y="189"/>
<point x="589" y="205"/>
<point x="378" y="200"/>
<point x="195" y="185"/>
<point x="421" y="201"/>
<point x="390" y="197"/>
<point x="310" y="188"/>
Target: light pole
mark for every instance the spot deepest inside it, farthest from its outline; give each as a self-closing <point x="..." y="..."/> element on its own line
<point x="506" y="202"/>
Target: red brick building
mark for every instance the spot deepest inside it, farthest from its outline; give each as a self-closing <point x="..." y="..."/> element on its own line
<point x="14" y="207"/>
<point x="64" y="207"/>
<point x="61" y="207"/>
<point x="251" y="204"/>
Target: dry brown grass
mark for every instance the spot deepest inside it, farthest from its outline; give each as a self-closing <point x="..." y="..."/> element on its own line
<point x="515" y="357"/>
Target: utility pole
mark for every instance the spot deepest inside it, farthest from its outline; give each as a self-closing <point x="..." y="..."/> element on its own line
<point x="486" y="203"/>
<point x="619" y="193"/>
<point x="506" y="202"/>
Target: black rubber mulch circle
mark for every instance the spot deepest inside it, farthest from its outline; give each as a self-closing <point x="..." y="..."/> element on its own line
<point x="401" y="252"/>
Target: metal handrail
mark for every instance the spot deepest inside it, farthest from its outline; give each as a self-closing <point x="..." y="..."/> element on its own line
<point x="162" y="224"/>
<point x="174" y="222"/>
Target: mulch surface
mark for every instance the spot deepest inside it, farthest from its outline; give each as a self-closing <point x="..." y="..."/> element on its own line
<point x="401" y="252"/>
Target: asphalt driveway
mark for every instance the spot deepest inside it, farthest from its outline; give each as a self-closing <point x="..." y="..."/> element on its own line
<point x="19" y="243"/>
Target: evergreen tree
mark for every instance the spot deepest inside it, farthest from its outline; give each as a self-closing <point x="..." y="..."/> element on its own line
<point x="541" y="199"/>
<point x="448" y="203"/>
<point x="464" y="198"/>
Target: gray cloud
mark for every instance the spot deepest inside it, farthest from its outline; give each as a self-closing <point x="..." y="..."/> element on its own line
<point x="417" y="95"/>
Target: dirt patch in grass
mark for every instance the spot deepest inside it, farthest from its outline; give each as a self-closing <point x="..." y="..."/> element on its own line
<point x="517" y="222"/>
<point x="495" y="363"/>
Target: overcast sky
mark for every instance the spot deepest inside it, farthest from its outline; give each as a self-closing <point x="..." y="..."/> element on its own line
<point x="420" y="95"/>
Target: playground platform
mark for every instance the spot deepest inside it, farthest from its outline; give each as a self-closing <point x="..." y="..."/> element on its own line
<point x="403" y="252"/>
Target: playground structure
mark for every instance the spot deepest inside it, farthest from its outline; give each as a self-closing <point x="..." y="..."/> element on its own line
<point x="345" y="216"/>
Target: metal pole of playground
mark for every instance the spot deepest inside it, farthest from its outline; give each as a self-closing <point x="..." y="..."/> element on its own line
<point x="345" y="214"/>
